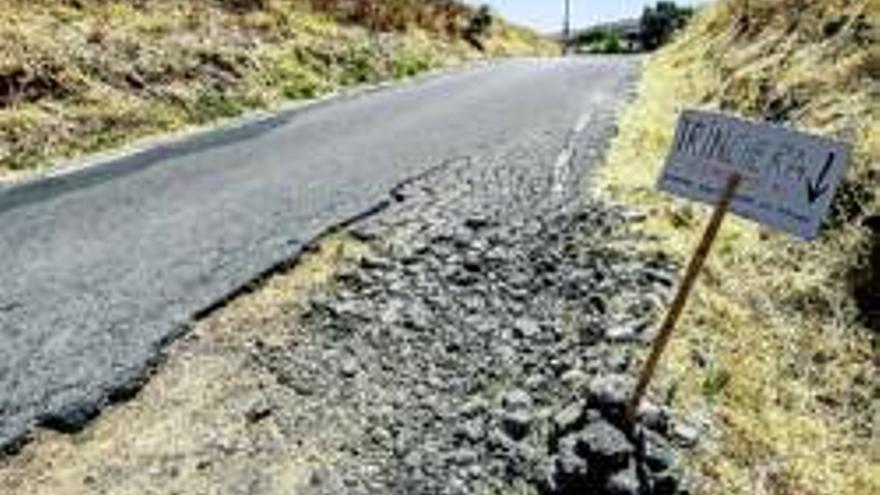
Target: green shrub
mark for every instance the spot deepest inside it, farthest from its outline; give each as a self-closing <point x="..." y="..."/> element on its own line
<point x="212" y="104"/>
<point x="296" y="80"/>
<point x="361" y="64"/>
<point x="411" y="62"/>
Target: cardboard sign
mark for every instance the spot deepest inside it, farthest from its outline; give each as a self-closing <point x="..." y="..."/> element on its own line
<point x="788" y="178"/>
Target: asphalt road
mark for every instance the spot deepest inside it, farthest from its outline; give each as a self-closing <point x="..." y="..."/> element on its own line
<point x="103" y="266"/>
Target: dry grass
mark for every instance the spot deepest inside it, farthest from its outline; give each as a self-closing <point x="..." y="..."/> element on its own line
<point x="440" y="16"/>
<point x="772" y="349"/>
<point x="80" y="76"/>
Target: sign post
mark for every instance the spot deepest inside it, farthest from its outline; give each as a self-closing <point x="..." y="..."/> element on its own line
<point x="769" y="174"/>
<point x="684" y="290"/>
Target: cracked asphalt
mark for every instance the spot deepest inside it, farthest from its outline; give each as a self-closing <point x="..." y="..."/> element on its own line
<point x="104" y="266"/>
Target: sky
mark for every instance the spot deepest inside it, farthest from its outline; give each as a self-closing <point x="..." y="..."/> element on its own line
<point x="546" y="15"/>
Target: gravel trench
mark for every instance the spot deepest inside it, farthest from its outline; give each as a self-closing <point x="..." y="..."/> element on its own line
<point x="486" y="345"/>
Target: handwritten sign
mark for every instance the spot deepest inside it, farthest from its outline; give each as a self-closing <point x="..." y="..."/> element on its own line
<point x="788" y="178"/>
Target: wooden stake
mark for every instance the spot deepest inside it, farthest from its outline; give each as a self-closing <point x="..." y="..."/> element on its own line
<point x="684" y="290"/>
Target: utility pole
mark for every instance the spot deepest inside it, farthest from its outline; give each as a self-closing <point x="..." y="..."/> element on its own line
<point x="566" y="28"/>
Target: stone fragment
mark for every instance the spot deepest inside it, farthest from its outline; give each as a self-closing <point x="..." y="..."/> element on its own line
<point x="624" y="482"/>
<point x="349" y="366"/>
<point x="569" y="417"/>
<point x="685" y="435"/>
<point x="516" y="400"/>
<point x="516" y="424"/>
<point x="665" y="483"/>
<point x="605" y="447"/>
<point x="656" y="451"/>
<point x="609" y="394"/>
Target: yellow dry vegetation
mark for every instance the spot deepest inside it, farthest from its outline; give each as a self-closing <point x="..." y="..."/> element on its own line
<point x="773" y="350"/>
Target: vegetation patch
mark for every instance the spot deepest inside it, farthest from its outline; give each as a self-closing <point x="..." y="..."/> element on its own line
<point x="776" y="351"/>
<point x="79" y="76"/>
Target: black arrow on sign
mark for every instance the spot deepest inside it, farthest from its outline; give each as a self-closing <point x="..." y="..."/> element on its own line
<point x="816" y="190"/>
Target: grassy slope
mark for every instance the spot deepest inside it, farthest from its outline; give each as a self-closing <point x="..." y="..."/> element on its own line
<point x="80" y="76"/>
<point x="772" y="348"/>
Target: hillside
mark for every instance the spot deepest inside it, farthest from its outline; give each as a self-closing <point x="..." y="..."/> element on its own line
<point x="80" y="76"/>
<point x="777" y="355"/>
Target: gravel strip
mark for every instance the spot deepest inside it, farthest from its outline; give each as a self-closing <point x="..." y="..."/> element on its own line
<point x="486" y="346"/>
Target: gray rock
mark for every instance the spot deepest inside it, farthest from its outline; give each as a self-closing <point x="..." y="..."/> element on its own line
<point x="685" y="435"/>
<point x="574" y="378"/>
<point x="547" y="475"/>
<point x="569" y="461"/>
<point x="516" y="400"/>
<point x="473" y="264"/>
<point x="621" y="333"/>
<point x="624" y="482"/>
<point x="472" y="430"/>
<point x="474" y="472"/>
<point x="632" y="331"/>
<point x="499" y="441"/>
<point x="665" y="483"/>
<point x="527" y="328"/>
<point x="349" y="366"/>
<point x="258" y="411"/>
<point x="656" y="451"/>
<point x="505" y="355"/>
<point x="606" y="447"/>
<point x="376" y="263"/>
<point x="569" y="470"/>
<point x="516" y="424"/>
<point x="379" y="436"/>
<point x="609" y="394"/>
<point x="569" y="417"/>
<point x="536" y="381"/>
<point x="464" y="457"/>
<point x="71" y="418"/>
<point x="663" y="277"/>
<point x="476" y="222"/>
<point x="618" y="361"/>
<point x="654" y="417"/>
<point x="413" y="460"/>
<point x="473" y="407"/>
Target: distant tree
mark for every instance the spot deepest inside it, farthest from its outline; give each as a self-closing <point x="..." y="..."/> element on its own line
<point x="479" y="26"/>
<point x="659" y="23"/>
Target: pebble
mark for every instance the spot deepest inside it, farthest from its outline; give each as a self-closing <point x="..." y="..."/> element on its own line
<point x="516" y="400"/>
<point x="685" y="435"/>
<point x="624" y="482"/>
<point x="516" y="423"/>
<point x="609" y="394"/>
<point x="349" y="366"/>
<point x="569" y="417"/>
<point x="657" y="452"/>
<point x="605" y="446"/>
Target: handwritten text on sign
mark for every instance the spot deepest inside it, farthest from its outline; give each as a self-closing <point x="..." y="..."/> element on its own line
<point x="789" y="178"/>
